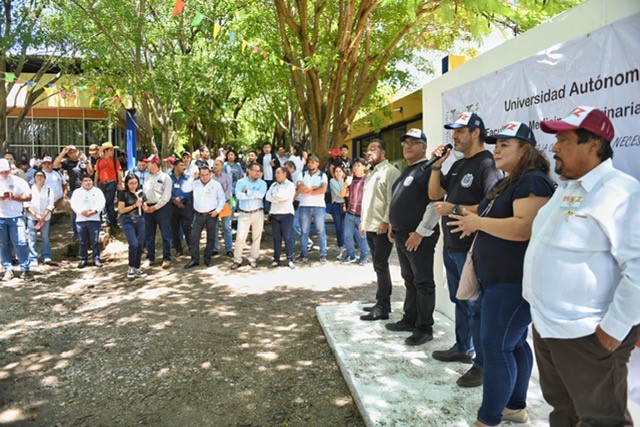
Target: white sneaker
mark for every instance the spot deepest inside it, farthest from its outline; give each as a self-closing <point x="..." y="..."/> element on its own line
<point x="8" y="275"/>
<point x="140" y="273"/>
<point x="131" y="274"/>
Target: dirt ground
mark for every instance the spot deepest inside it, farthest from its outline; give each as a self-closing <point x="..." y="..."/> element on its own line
<point x="199" y="347"/>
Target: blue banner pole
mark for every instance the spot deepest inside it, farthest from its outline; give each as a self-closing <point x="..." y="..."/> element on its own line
<point x="132" y="138"/>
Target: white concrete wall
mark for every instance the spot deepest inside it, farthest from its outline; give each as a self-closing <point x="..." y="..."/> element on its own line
<point x="574" y="23"/>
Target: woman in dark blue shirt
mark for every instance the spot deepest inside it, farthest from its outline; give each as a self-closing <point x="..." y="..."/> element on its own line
<point x="504" y="229"/>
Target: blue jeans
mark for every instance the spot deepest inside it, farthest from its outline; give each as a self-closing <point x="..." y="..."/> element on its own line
<point x="351" y="232"/>
<point x="134" y="230"/>
<point x="228" y="234"/>
<point x="507" y="356"/>
<point x="307" y="213"/>
<point x="88" y="234"/>
<point x="13" y="232"/>
<point x="109" y="190"/>
<point x="335" y="209"/>
<point x="282" y="228"/>
<point x="158" y="218"/>
<point x="33" y="240"/>
<point x="467" y="314"/>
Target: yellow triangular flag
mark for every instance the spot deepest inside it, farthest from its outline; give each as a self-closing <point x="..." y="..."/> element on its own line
<point x="216" y="30"/>
<point x="281" y="62"/>
<point x="293" y="68"/>
<point x="244" y="45"/>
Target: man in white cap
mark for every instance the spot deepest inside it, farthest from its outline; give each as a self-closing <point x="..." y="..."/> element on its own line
<point x="467" y="182"/>
<point x="413" y="224"/>
<point x="55" y="181"/>
<point x="14" y="192"/>
<point x="582" y="276"/>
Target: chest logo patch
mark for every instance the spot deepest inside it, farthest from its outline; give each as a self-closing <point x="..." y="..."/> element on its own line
<point x="467" y="180"/>
<point x="407" y="181"/>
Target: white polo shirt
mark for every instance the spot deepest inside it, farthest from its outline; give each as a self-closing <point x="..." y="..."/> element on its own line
<point x="582" y="265"/>
<point x="314" y="181"/>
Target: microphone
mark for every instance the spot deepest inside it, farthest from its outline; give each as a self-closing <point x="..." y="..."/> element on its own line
<point x="434" y="159"/>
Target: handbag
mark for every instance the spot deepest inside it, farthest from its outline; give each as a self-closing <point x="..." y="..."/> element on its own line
<point x="468" y="287"/>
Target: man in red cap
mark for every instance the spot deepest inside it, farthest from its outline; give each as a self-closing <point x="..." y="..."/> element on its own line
<point x="582" y="276"/>
<point x="157" y="194"/>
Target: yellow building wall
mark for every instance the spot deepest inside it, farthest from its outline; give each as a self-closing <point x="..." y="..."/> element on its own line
<point x="65" y="93"/>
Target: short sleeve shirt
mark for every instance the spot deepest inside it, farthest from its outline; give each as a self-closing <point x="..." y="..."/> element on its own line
<point x="129" y="199"/>
<point x="316" y="180"/>
<point x="498" y="260"/>
<point x="467" y="182"/>
<point x="17" y="186"/>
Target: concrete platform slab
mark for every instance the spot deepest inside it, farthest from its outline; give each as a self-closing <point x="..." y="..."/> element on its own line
<point x="398" y="385"/>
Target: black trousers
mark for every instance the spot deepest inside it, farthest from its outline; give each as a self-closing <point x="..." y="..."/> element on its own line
<point x="585" y="383"/>
<point x="416" y="269"/>
<point x="200" y="222"/>
<point x="380" y="248"/>
<point x="180" y="217"/>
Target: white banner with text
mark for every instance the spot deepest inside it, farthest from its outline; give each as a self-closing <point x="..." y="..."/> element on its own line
<point x="601" y="69"/>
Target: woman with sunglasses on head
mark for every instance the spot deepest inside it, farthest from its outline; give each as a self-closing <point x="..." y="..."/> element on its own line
<point x="503" y="226"/>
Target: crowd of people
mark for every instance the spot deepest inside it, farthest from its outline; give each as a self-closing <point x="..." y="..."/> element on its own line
<point x="561" y="255"/>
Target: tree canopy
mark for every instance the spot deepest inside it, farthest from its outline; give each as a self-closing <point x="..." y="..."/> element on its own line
<point x="243" y="72"/>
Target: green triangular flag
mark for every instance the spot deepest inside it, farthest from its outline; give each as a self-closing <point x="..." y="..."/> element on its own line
<point x="197" y="19"/>
<point x="9" y="77"/>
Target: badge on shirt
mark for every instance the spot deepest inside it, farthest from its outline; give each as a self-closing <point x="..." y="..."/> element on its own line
<point x="570" y="203"/>
<point x="407" y="181"/>
<point x="467" y="180"/>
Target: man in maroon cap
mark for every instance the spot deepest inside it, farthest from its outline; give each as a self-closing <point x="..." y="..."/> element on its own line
<point x="157" y="194"/>
<point x="582" y="276"/>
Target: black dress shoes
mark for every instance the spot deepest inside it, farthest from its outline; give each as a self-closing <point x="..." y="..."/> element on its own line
<point x="369" y="308"/>
<point x="375" y="314"/>
<point x="207" y="262"/>
<point x="82" y="264"/>
<point x="418" y="338"/>
<point x="402" y="325"/>
<point x="192" y="264"/>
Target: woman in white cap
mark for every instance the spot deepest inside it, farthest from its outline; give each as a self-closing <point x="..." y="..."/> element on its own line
<point x="503" y="229"/>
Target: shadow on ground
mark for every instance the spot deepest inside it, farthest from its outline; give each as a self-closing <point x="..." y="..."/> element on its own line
<point x="205" y="346"/>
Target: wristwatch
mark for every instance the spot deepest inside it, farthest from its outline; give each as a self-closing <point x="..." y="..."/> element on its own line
<point x="456" y="210"/>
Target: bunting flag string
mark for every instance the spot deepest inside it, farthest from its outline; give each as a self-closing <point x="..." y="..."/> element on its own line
<point x="199" y="17"/>
<point x="79" y="92"/>
<point x="177" y="9"/>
